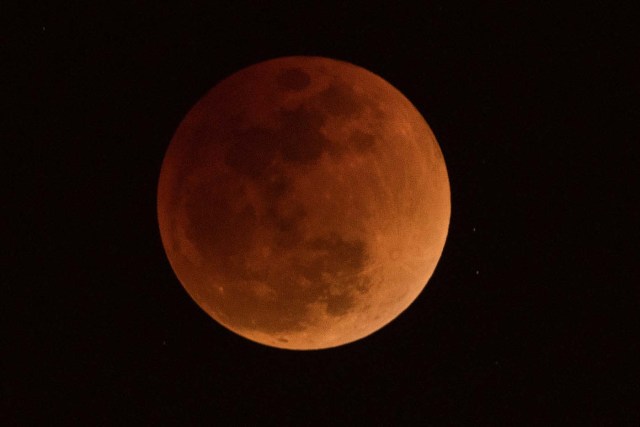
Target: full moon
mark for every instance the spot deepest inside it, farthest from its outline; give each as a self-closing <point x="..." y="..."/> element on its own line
<point x="303" y="203"/>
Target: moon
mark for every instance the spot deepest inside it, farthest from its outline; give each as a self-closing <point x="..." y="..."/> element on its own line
<point x="303" y="203"/>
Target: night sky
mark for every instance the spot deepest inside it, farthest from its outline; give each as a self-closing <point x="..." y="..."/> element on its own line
<point x="528" y="318"/>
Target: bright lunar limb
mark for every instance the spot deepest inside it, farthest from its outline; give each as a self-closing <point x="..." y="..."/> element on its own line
<point x="303" y="203"/>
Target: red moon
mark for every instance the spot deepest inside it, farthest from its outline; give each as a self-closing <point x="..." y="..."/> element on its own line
<point x="303" y="203"/>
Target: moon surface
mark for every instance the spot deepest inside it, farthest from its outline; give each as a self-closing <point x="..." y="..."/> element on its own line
<point x="303" y="203"/>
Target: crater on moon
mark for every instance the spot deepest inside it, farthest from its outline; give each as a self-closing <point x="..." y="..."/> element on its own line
<point x="303" y="203"/>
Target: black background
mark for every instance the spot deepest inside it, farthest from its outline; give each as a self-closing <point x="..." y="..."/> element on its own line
<point x="528" y="318"/>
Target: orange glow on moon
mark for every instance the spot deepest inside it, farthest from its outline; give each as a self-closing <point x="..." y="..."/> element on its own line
<point x="303" y="203"/>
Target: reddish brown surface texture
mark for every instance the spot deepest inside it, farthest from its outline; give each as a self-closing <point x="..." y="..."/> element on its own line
<point x="303" y="203"/>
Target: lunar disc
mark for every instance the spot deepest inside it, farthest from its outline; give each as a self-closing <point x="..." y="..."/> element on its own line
<point x="303" y="203"/>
